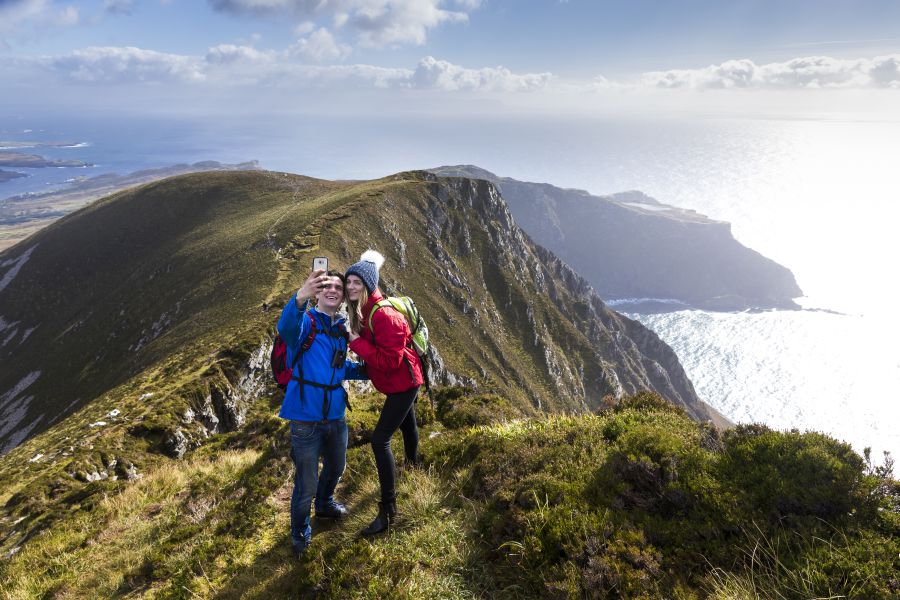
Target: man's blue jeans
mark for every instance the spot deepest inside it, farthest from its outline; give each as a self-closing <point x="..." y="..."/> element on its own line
<point x="309" y="441"/>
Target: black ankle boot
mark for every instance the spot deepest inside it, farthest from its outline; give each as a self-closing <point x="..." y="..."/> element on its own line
<point x="386" y="513"/>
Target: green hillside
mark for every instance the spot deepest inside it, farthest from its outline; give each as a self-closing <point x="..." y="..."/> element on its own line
<point x="636" y="502"/>
<point x="144" y="458"/>
<point x="188" y="267"/>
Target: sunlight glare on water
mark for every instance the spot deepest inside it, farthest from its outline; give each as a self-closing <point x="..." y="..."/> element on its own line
<point x="820" y="198"/>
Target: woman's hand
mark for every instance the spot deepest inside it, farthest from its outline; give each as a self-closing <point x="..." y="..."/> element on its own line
<point x="312" y="286"/>
<point x="352" y="334"/>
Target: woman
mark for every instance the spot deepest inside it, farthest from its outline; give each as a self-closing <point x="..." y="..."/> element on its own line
<point x="381" y="337"/>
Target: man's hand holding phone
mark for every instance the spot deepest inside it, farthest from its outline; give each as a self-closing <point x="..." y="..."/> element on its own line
<point x="312" y="286"/>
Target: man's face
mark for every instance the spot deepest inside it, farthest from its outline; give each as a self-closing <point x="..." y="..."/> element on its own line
<point x="355" y="285"/>
<point x="331" y="296"/>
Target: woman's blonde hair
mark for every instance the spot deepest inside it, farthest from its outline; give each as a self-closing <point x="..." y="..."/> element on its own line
<point x="354" y="310"/>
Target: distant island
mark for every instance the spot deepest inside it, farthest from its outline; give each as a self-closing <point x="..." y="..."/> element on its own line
<point x="8" y="175"/>
<point x="33" y="161"/>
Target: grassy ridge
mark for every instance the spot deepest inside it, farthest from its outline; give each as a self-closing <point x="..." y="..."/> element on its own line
<point x="638" y="501"/>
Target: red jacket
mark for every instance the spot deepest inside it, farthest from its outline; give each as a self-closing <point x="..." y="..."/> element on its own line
<point x="391" y="362"/>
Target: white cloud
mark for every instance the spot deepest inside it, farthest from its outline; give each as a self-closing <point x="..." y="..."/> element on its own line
<point x="235" y="66"/>
<point x="387" y="22"/>
<point x="374" y="23"/>
<point x="885" y="71"/>
<point x="261" y="6"/>
<point x="319" y="46"/>
<point x="119" y="7"/>
<point x="438" y="74"/>
<point x="126" y="65"/>
<point x="228" y="54"/>
<point x="812" y="72"/>
<point x="23" y="18"/>
<point x="304" y="28"/>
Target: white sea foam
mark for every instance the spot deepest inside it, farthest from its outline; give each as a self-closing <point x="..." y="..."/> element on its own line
<point x="793" y="369"/>
<point x="630" y="301"/>
<point x="650" y="207"/>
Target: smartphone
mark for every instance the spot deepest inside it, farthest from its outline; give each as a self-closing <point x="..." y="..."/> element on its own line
<point x="320" y="263"/>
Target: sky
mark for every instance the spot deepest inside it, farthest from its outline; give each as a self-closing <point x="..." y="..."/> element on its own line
<point x="451" y="56"/>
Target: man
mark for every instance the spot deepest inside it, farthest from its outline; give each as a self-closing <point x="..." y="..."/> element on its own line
<point x="315" y="400"/>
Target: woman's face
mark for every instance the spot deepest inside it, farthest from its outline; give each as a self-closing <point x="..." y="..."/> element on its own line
<point x="355" y="286"/>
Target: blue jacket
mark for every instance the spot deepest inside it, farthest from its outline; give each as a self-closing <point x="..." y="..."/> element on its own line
<point x="313" y="403"/>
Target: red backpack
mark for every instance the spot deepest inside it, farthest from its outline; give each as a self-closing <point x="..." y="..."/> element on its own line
<point x="280" y="369"/>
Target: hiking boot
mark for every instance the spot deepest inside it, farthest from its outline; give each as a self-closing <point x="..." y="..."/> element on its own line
<point x="299" y="550"/>
<point x="332" y="510"/>
<point x="386" y="513"/>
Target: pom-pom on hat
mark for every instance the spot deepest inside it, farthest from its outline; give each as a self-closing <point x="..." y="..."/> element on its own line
<point x="367" y="268"/>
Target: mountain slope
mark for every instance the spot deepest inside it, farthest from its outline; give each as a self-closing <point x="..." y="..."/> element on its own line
<point x="173" y="479"/>
<point x="188" y="266"/>
<point x="629" y="246"/>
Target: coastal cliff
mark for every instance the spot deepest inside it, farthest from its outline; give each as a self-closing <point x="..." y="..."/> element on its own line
<point x="631" y="247"/>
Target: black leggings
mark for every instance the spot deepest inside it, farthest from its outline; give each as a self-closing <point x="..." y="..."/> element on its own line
<point x="398" y="413"/>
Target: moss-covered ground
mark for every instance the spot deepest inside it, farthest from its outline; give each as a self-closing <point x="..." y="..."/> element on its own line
<point x="635" y="502"/>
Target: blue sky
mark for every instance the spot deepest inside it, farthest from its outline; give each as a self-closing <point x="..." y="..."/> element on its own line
<point x="538" y="55"/>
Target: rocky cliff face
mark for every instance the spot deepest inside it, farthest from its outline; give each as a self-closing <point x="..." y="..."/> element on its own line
<point x="583" y="349"/>
<point x="629" y="246"/>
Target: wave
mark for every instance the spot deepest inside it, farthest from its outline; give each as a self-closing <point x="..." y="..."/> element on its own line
<point x="626" y="301"/>
<point x="27" y="145"/>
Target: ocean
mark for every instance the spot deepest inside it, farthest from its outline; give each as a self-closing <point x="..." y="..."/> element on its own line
<point x="814" y="194"/>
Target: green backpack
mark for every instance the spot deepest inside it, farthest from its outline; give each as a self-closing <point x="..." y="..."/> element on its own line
<point x="406" y="307"/>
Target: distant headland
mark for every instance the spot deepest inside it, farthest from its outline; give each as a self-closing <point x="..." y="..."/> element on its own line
<point x="23" y="215"/>
<point x="641" y="254"/>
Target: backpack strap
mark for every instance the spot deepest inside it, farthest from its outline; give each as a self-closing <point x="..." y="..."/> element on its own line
<point x="297" y="366"/>
<point x="380" y="304"/>
<point x="307" y="343"/>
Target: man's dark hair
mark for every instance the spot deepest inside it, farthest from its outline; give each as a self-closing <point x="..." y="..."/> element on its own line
<point x="339" y="275"/>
